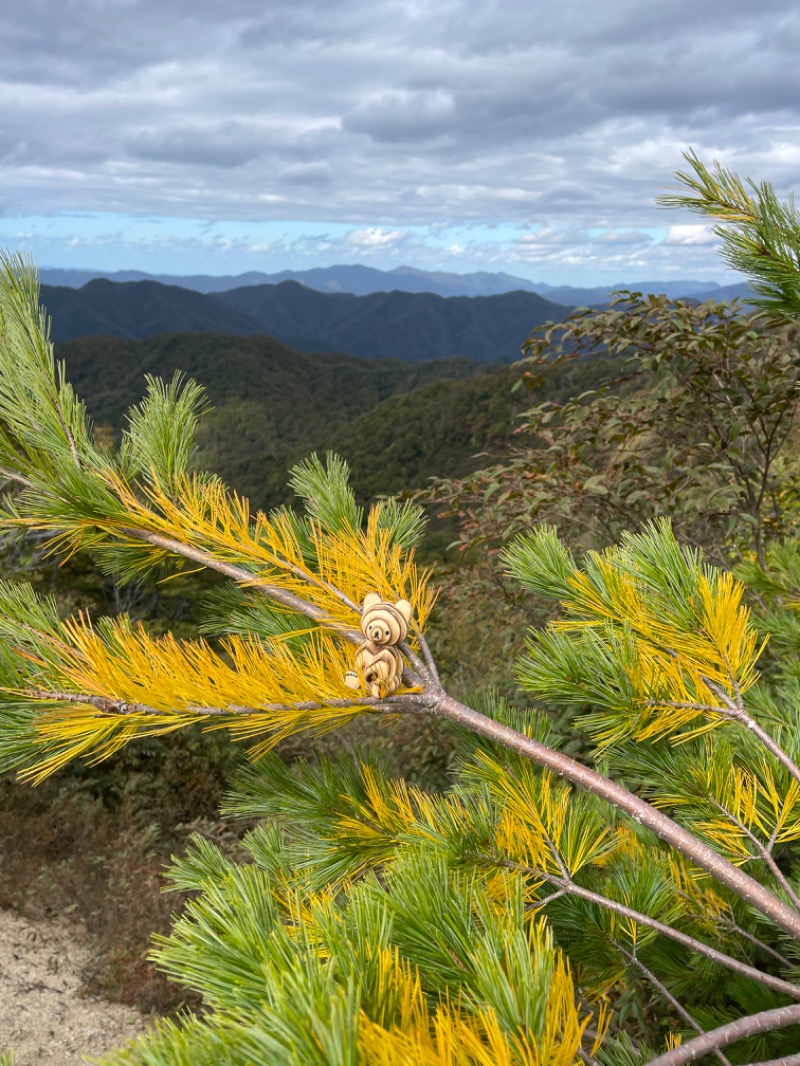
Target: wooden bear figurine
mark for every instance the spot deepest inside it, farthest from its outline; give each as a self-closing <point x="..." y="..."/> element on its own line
<point x="379" y="665"/>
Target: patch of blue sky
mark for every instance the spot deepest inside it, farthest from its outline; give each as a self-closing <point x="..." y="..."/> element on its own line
<point x="180" y="246"/>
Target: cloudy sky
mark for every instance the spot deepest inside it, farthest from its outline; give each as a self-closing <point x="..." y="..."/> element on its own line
<point x="530" y="136"/>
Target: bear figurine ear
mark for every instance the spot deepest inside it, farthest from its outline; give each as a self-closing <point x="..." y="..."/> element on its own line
<point x="371" y="599"/>
<point x="405" y="609"/>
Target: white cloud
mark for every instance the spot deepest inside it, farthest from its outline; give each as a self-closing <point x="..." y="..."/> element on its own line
<point x="692" y="235"/>
<point x="374" y="237"/>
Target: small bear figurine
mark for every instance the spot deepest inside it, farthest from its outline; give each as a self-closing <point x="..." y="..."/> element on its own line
<point x="378" y="661"/>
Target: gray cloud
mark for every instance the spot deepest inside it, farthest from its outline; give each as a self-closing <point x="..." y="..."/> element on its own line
<point x="403" y="113"/>
<point x="216" y="146"/>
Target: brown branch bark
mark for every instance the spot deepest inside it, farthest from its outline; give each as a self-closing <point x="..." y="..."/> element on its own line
<point x="13" y="475"/>
<point x="763" y="852"/>
<point x="105" y="705"/>
<point x="568" y="887"/>
<point x="746" y="887"/>
<point x="244" y="577"/>
<point x="735" y="712"/>
<point x="764" y="1022"/>
<point x="676" y="1005"/>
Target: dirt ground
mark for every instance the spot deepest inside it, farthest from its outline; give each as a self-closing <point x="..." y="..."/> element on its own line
<point x="44" y="1019"/>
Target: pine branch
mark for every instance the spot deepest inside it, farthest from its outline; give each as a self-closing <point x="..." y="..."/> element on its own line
<point x="120" y="708"/>
<point x="569" y="887"/>
<point x="243" y="577"/>
<point x="744" y="886"/>
<point x="764" y="1022"/>
<point x="763" y="852"/>
<point x="760" y="235"/>
<point x="735" y="711"/>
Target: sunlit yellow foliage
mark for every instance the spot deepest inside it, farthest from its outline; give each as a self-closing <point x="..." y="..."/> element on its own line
<point x="542" y="823"/>
<point x="749" y="803"/>
<point x="256" y="693"/>
<point x="206" y="516"/>
<point x="678" y="671"/>
<point x="454" y="1035"/>
<point x="697" y="891"/>
<point x="202" y="514"/>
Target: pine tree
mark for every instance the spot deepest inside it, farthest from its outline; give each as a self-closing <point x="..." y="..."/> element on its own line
<point x="542" y="910"/>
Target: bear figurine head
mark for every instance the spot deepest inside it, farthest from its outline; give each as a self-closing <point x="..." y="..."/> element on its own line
<point x="383" y="623"/>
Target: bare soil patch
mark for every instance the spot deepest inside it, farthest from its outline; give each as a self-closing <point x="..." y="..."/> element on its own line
<point x="46" y="1018"/>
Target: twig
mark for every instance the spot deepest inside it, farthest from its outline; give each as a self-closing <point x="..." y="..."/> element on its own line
<point x="737" y="713"/>
<point x="13" y="475"/>
<point x="282" y="596"/>
<point x="668" y="996"/>
<point x="415" y="661"/>
<point x="754" y="940"/>
<point x="426" y="651"/>
<point x="244" y="577"/>
<point x="690" y="942"/>
<point x="118" y="707"/>
<point x="726" y="922"/>
<point x="763" y="851"/>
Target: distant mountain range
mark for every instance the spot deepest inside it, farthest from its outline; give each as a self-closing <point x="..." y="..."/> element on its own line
<point x="363" y="281"/>
<point x="394" y="325"/>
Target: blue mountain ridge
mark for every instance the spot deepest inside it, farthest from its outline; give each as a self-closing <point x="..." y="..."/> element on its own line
<point x="360" y="280"/>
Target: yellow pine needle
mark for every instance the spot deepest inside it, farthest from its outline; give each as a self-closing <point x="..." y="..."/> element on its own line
<point x="393" y="810"/>
<point x="460" y="1039"/>
<point x="394" y="807"/>
<point x="367" y="561"/>
<point x="726" y="623"/>
<point x="304" y="913"/>
<point x="672" y="665"/>
<point x="785" y="810"/>
<point x="260" y="693"/>
<point x="353" y="563"/>
<point x="538" y="817"/>
<point x="72" y="732"/>
<point x="729" y="840"/>
<point x="617" y="599"/>
<point x="398" y="991"/>
<point x="696" y="890"/>
<point x="456" y="1036"/>
<point x="722" y="645"/>
<point x="752" y="797"/>
<point x="182" y="676"/>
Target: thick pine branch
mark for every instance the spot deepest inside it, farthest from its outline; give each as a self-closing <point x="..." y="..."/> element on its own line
<point x="659" y="823"/>
<point x="664" y="992"/>
<point x="764" y="1022"/>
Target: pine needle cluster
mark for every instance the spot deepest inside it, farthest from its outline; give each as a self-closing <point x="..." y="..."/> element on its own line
<point x="760" y="234"/>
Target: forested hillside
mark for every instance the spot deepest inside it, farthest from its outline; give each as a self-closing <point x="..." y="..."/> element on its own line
<point x="137" y="309"/>
<point x="397" y="422"/>
<point x="396" y="325"/>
